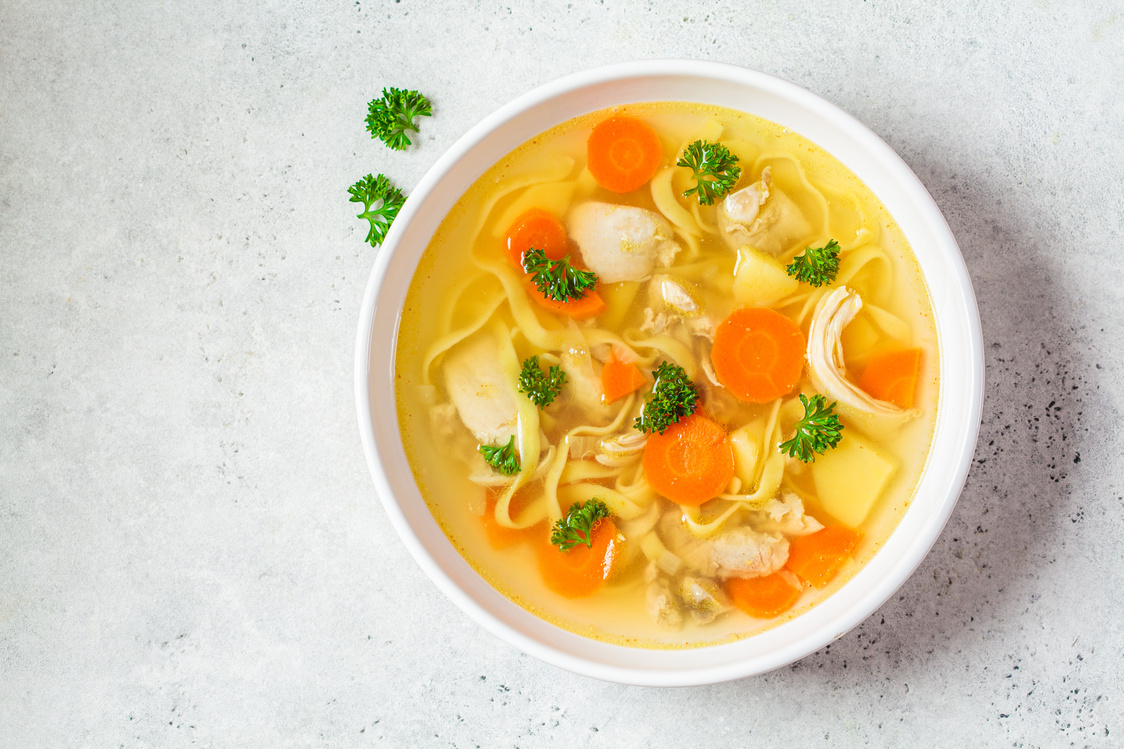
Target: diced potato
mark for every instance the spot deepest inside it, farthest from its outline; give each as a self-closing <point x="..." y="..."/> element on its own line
<point x="760" y="279"/>
<point x="850" y="478"/>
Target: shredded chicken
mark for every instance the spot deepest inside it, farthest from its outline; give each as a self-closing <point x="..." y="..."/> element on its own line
<point x="620" y="242"/>
<point x="703" y="598"/>
<point x="743" y="552"/>
<point x="761" y="216"/>
<point x="622" y="449"/>
<point x="828" y="370"/>
<point x="786" y="515"/>
<point x="661" y="605"/>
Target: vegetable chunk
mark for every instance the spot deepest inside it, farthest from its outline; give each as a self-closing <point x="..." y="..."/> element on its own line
<point x="850" y="478"/>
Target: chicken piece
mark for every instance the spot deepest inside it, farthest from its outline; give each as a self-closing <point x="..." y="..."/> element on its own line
<point x="744" y="552"/>
<point x="762" y="217"/>
<point x="829" y="372"/>
<point x="620" y="242"/>
<point x="703" y="598"/>
<point x="583" y="381"/>
<point x="786" y="515"/>
<point x="673" y="295"/>
<point x="621" y="449"/>
<point x="484" y="396"/>
<point x="661" y="606"/>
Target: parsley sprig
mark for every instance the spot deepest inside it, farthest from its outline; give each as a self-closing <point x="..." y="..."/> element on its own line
<point x="818" y="431"/>
<point x="541" y="387"/>
<point x="716" y="170"/>
<point x="502" y="458"/>
<point x="816" y="265"/>
<point x="386" y="199"/>
<point x="390" y="117"/>
<point x="672" y="398"/>
<point x="557" y="279"/>
<point x="577" y="527"/>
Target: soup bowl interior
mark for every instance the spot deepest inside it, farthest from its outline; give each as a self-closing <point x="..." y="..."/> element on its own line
<point x="954" y="308"/>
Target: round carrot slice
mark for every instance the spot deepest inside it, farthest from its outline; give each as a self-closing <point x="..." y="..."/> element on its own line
<point x="538" y="229"/>
<point x="758" y="354"/>
<point x="690" y="462"/>
<point x="580" y="571"/>
<point x="623" y="153"/>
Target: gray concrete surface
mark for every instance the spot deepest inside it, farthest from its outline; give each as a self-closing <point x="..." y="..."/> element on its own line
<point x="191" y="550"/>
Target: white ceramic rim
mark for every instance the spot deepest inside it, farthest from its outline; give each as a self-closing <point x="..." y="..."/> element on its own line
<point x="954" y="307"/>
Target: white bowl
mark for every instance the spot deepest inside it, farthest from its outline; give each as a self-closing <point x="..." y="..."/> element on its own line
<point x="958" y="331"/>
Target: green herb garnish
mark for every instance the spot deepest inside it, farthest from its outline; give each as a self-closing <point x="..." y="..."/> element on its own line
<point x="716" y="170"/>
<point x="818" y="431"/>
<point x="672" y="397"/>
<point x="502" y="458"/>
<point x="388" y="200"/>
<point x="816" y="265"/>
<point x="390" y="117"/>
<point x="557" y="279"/>
<point x="577" y="527"/>
<point x="541" y="387"/>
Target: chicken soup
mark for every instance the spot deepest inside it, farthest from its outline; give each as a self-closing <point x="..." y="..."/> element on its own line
<point x="666" y="375"/>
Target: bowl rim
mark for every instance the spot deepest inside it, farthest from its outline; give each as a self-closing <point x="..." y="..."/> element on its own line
<point x="958" y="317"/>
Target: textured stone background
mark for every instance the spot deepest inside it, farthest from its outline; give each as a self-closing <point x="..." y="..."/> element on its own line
<point x="191" y="550"/>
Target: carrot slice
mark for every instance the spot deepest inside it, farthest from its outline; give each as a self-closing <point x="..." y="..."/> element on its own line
<point x="758" y="354"/>
<point x="539" y="229"/>
<point x="690" y="462"/>
<point x="619" y="378"/>
<point x="590" y="305"/>
<point x="818" y="557"/>
<point x="500" y="536"/>
<point x="764" y="597"/>
<point x="582" y="570"/>
<point x="623" y="153"/>
<point x="892" y="376"/>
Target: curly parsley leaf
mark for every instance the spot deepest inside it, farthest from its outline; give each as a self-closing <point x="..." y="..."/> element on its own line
<point x="390" y="117"/>
<point x="541" y="387"/>
<point x="381" y="203"/>
<point x="577" y="527"/>
<point x="816" y="265"/>
<point x="817" y="432"/>
<point x="557" y="279"/>
<point x="502" y="458"/>
<point x="716" y="170"/>
<point x="672" y="398"/>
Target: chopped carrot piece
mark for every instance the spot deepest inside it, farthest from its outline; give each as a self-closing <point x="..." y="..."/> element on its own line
<point x="580" y="571"/>
<point x="758" y="354"/>
<point x="500" y="536"/>
<point x="538" y="229"/>
<point x="691" y="462"/>
<point x="590" y="305"/>
<point x="619" y="378"/>
<point x="818" y="557"/>
<point x="892" y="376"/>
<point x="623" y="153"/>
<point x="764" y="597"/>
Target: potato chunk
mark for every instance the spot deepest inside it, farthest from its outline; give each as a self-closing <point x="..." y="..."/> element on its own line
<point x="850" y="478"/>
